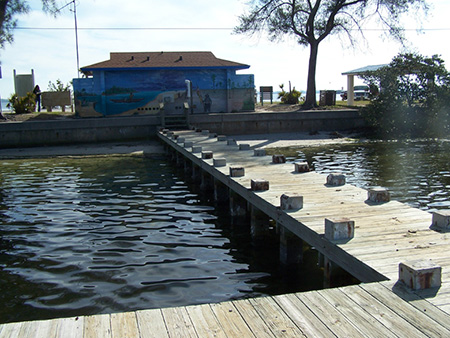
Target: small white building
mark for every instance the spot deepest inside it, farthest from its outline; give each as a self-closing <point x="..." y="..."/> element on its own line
<point x="351" y="80"/>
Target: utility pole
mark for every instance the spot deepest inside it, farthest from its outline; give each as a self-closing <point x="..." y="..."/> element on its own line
<point x="76" y="36"/>
<point x="76" y="30"/>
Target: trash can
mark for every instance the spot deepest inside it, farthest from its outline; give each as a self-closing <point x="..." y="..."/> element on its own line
<point x="327" y="98"/>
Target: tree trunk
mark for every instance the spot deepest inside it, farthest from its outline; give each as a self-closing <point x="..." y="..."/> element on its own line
<point x="310" y="101"/>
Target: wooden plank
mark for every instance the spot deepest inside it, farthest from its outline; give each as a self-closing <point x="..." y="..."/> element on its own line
<point x="332" y="318"/>
<point x="231" y="321"/>
<point x="97" y="326"/>
<point x="11" y="330"/>
<point x="275" y="318"/>
<point x="151" y="323"/>
<point x="303" y="317"/>
<point x="367" y="324"/>
<point x="445" y="308"/>
<point x="394" y="322"/>
<point x="257" y="325"/>
<point x="406" y="311"/>
<point x="419" y="303"/>
<point x="39" y="328"/>
<point x="124" y="325"/>
<point x="204" y="321"/>
<point x="178" y="322"/>
<point x="69" y="327"/>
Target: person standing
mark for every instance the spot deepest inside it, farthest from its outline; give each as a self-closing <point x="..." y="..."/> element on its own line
<point x="37" y="93"/>
<point x="207" y="102"/>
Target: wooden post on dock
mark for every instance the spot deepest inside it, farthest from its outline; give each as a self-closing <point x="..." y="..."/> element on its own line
<point x="259" y="223"/>
<point x="207" y="183"/>
<point x="196" y="174"/>
<point x="291" y="247"/>
<point x="238" y="205"/>
<point x="188" y="167"/>
<point x="330" y="270"/>
<point x="180" y="160"/>
<point x="221" y="193"/>
<point x="420" y="274"/>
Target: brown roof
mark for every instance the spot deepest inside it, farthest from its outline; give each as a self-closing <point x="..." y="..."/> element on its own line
<point x="163" y="60"/>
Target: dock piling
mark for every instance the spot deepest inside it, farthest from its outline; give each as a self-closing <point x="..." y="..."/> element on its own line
<point x="278" y="159"/>
<point x="259" y="152"/>
<point x="301" y="167"/>
<point x="335" y="180"/>
<point x="441" y="220"/>
<point x="378" y="195"/>
<point x="291" y="202"/>
<point x="338" y="229"/>
<point x="259" y="185"/>
<point x="291" y="248"/>
<point x="219" y="162"/>
<point x="237" y="172"/>
<point x="420" y="274"/>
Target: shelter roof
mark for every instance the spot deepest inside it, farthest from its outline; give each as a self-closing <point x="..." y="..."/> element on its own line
<point x="163" y="60"/>
<point x="362" y="70"/>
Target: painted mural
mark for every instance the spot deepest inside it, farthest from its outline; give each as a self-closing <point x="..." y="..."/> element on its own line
<point x="131" y="92"/>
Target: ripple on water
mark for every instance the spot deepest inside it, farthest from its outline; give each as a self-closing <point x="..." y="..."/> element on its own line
<point x="416" y="172"/>
<point x="84" y="236"/>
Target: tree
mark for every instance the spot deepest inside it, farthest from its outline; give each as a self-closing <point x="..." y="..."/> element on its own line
<point x="413" y="98"/>
<point x="9" y="9"/>
<point x="310" y="22"/>
<point x="59" y="86"/>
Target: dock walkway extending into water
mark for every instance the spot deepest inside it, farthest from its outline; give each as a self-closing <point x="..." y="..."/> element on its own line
<point x="385" y="235"/>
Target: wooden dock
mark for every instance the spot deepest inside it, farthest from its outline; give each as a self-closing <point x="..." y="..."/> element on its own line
<point x="386" y="234"/>
<point x="367" y="310"/>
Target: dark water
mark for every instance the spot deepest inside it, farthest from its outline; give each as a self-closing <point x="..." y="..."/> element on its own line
<point x="102" y="235"/>
<point x="415" y="172"/>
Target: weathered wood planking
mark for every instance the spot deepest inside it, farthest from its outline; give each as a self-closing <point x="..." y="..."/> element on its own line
<point x="383" y="231"/>
<point x="366" y="310"/>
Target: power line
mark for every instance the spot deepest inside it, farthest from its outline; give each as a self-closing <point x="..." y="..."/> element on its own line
<point x="203" y="28"/>
<point x="126" y="28"/>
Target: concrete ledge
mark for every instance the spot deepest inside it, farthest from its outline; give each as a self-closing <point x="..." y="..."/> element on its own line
<point x="87" y="130"/>
<point x="277" y="122"/>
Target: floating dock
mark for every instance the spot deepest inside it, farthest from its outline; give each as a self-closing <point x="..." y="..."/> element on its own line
<point x="375" y="239"/>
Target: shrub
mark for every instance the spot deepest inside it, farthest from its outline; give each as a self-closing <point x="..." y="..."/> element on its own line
<point x="413" y="100"/>
<point x="291" y="97"/>
<point x="22" y="105"/>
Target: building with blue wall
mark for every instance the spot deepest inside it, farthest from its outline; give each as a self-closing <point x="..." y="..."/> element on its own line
<point x="147" y="82"/>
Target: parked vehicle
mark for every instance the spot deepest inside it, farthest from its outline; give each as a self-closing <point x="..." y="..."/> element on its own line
<point x="360" y="93"/>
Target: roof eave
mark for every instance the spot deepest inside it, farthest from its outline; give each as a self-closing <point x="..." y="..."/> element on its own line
<point x="365" y="69"/>
<point x="89" y="69"/>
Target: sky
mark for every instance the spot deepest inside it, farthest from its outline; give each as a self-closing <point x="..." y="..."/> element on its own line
<point x="52" y="53"/>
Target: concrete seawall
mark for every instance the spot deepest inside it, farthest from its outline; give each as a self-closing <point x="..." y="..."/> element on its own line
<point x="278" y="122"/>
<point x="92" y="130"/>
<point x="70" y="131"/>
